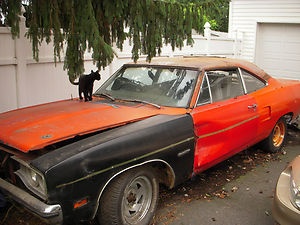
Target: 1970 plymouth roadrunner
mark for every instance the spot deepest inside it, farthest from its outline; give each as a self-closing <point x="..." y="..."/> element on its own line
<point x="148" y="124"/>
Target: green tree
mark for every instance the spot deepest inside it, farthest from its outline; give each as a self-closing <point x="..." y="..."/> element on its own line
<point x="218" y="17"/>
<point x="94" y="25"/>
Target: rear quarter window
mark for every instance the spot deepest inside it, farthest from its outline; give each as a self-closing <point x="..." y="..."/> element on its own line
<point x="252" y="82"/>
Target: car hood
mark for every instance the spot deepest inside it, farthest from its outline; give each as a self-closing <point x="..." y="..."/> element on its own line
<point x="35" y="127"/>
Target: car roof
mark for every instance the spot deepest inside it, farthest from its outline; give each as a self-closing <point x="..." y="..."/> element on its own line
<point x="205" y="63"/>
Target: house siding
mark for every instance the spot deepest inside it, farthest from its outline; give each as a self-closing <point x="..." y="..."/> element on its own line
<point x="245" y="15"/>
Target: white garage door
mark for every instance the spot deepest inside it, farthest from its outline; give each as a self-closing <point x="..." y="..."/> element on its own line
<point x="278" y="49"/>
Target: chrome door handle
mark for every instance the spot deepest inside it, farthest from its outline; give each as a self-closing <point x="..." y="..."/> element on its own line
<point x="254" y="106"/>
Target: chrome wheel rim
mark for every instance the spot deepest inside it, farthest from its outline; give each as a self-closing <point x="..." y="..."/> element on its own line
<point x="278" y="134"/>
<point x="137" y="200"/>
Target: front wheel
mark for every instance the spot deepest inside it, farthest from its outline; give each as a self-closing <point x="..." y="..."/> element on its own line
<point x="130" y="199"/>
<point x="276" y="140"/>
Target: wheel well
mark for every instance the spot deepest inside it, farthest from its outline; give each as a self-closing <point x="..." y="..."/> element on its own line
<point x="288" y="117"/>
<point x="163" y="171"/>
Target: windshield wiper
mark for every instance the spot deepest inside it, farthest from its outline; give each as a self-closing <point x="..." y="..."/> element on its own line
<point x="142" y="101"/>
<point x="106" y="95"/>
<point x="127" y="100"/>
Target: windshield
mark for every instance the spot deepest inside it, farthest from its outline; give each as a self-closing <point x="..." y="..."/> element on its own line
<point x="163" y="86"/>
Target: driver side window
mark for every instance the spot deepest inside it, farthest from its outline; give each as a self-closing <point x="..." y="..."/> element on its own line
<point x="219" y="85"/>
<point x="204" y="96"/>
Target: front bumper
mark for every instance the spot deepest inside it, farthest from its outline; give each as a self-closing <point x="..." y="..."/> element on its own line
<point x="284" y="212"/>
<point x="50" y="213"/>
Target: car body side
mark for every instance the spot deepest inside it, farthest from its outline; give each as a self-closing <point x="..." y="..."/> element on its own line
<point x="223" y="124"/>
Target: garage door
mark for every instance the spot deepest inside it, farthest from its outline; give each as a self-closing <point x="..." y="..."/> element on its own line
<point x="278" y="49"/>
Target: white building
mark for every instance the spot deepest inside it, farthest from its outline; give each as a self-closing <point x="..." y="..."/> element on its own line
<point x="270" y="31"/>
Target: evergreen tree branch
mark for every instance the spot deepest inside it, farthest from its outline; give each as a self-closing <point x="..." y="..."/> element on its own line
<point x="94" y="25"/>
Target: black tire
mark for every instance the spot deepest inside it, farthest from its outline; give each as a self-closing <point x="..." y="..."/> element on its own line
<point x="276" y="140"/>
<point x="130" y="199"/>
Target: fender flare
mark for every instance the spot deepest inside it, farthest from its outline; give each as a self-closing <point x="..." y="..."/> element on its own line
<point x="168" y="167"/>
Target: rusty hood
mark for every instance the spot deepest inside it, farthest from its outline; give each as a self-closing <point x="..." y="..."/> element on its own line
<point x="33" y="128"/>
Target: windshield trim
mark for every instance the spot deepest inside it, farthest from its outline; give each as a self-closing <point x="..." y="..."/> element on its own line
<point x="165" y="66"/>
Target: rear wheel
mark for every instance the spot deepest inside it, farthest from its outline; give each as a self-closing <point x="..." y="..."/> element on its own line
<point x="276" y="139"/>
<point x="130" y="199"/>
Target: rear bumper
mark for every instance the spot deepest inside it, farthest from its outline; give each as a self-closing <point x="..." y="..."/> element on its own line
<point x="50" y="213"/>
<point x="284" y="212"/>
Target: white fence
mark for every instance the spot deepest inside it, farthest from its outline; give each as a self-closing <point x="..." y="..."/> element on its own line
<point x="25" y="82"/>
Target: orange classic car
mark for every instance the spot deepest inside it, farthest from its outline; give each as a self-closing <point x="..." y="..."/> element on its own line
<point x="148" y="124"/>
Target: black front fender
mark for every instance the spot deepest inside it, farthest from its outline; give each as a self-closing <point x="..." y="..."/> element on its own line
<point x="85" y="167"/>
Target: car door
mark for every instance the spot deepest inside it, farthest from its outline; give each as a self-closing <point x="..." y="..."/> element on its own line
<point x="225" y="118"/>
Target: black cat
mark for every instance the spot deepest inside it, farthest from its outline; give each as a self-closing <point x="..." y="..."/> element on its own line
<point x="86" y="84"/>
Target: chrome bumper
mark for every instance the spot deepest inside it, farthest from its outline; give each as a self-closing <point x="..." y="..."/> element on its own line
<point x="283" y="210"/>
<point x="50" y="213"/>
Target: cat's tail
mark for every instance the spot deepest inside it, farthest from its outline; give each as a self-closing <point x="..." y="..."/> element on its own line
<point x="72" y="81"/>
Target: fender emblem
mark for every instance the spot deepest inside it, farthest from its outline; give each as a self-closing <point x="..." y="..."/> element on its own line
<point x="180" y="154"/>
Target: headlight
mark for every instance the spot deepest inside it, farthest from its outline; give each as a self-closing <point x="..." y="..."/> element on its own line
<point x="295" y="182"/>
<point x="33" y="180"/>
<point x="36" y="179"/>
<point x="295" y="193"/>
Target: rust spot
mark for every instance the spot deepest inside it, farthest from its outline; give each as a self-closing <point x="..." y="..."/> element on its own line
<point x="46" y="136"/>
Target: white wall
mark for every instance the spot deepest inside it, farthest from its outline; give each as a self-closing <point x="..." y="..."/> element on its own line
<point x="245" y="15"/>
<point x="25" y="82"/>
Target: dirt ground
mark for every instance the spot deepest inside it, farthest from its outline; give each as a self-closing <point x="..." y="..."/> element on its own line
<point x="206" y="185"/>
